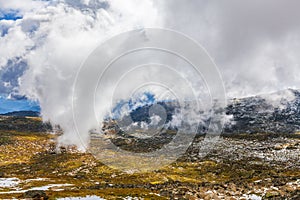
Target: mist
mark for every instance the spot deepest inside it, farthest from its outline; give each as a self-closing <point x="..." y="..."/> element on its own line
<point x="254" y="44"/>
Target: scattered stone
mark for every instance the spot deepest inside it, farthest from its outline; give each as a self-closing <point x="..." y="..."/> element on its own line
<point x="36" y="195"/>
<point x="278" y="147"/>
<point x="291" y="147"/>
<point x="272" y="194"/>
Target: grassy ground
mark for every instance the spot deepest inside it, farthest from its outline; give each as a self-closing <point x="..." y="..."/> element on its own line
<point x="26" y="156"/>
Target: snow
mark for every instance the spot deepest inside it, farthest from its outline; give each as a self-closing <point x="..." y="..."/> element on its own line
<point x="82" y="198"/>
<point x="8" y="182"/>
<point x="11" y="182"/>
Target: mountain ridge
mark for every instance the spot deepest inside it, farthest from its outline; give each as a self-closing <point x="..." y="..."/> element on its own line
<point x="276" y="112"/>
<point x="22" y="113"/>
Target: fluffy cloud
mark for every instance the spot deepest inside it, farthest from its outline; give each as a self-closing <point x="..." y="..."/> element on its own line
<point x="54" y="38"/>
<point x="254" y="43"/>
<point x="22" y="6"/>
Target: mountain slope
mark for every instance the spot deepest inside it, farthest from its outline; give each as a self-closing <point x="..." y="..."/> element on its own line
<point x="277" y="112"/>
<point x="272" y="113"/>
<point x="23" y="113"/>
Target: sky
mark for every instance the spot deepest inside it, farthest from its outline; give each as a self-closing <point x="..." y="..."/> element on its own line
<point x="9" y="105"/>
<point x="255" y="44"/>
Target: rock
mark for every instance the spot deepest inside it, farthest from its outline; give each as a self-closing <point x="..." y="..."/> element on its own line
<point x="291" y="147"/>
<point x="290" y="188"/>
<point x="257" y="114"/>
<point x="278" y="147"/>
<point x="36" y="195"/>
<point x="165" y="193"/>
<point x="2" y="174"/>
<point x="232" y="187"/>
<point x="272" y="194"/>
<point x="63" y="149"/>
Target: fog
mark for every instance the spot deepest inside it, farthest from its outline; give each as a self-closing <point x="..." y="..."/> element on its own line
<point x="255" y="45"/>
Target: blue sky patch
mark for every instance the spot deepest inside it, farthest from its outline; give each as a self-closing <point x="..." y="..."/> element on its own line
<point x="10" y="15"/>
<point x="10" y="105"/>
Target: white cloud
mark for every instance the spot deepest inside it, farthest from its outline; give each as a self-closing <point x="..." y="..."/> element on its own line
<point x="55" y="39"/>
<point x="14" y="44"/>
<point x="23" y="6"/>
<point x="254" y="43"/>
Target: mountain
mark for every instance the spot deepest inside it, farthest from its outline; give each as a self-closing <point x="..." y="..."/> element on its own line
<point x="17" y="104"/>
<point x="277" y="112"/>
<point x="23" y="124"/>
<point x="23" y="113"/>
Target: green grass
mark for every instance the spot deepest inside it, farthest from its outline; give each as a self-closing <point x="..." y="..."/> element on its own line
<point x="23" y="155"/>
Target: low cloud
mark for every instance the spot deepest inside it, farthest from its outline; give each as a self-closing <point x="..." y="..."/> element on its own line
<point x="254" y="43"/>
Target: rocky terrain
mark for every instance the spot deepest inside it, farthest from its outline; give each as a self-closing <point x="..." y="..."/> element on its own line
<point x="277" y="112"/>
<point x="241" y="166"/>
<point x="23" y="113"/>
<point x="21" y="123"/>
<point x="256" y="157"/>
<point x="272" y="113"/>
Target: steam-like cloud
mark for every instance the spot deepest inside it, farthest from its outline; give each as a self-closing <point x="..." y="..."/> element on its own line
<point x="254" y="43"/>
<point x="54" y="39"/>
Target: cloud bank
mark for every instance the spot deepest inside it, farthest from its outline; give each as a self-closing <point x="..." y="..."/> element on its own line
<point x="254" y="43"/>
<point x="53" y="38"/>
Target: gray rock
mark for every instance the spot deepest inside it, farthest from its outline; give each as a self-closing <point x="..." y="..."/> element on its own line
<point x="36" y="195"/>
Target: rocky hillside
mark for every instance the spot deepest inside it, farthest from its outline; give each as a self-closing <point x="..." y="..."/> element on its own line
<point x="273" y="113"/>
<point x="29" y="124"/>
<point x="23" y="113"/>
<point x="277" y="112"/>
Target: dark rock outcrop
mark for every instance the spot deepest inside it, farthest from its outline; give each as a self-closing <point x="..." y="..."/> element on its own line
<point x="257" y="115"/>
<point x="36" y="195"/>
<point x="24" y="124"/>
<point x="271" y="113"/>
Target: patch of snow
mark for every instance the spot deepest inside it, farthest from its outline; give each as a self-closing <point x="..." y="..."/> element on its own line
<point x="36" y="179"/>
<point x="9" y="182"/>
<point x="47" y="187"/>
<point x="82" y="198"/>
<point x="131" y="198"/>
<point x="252" y="197"/>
